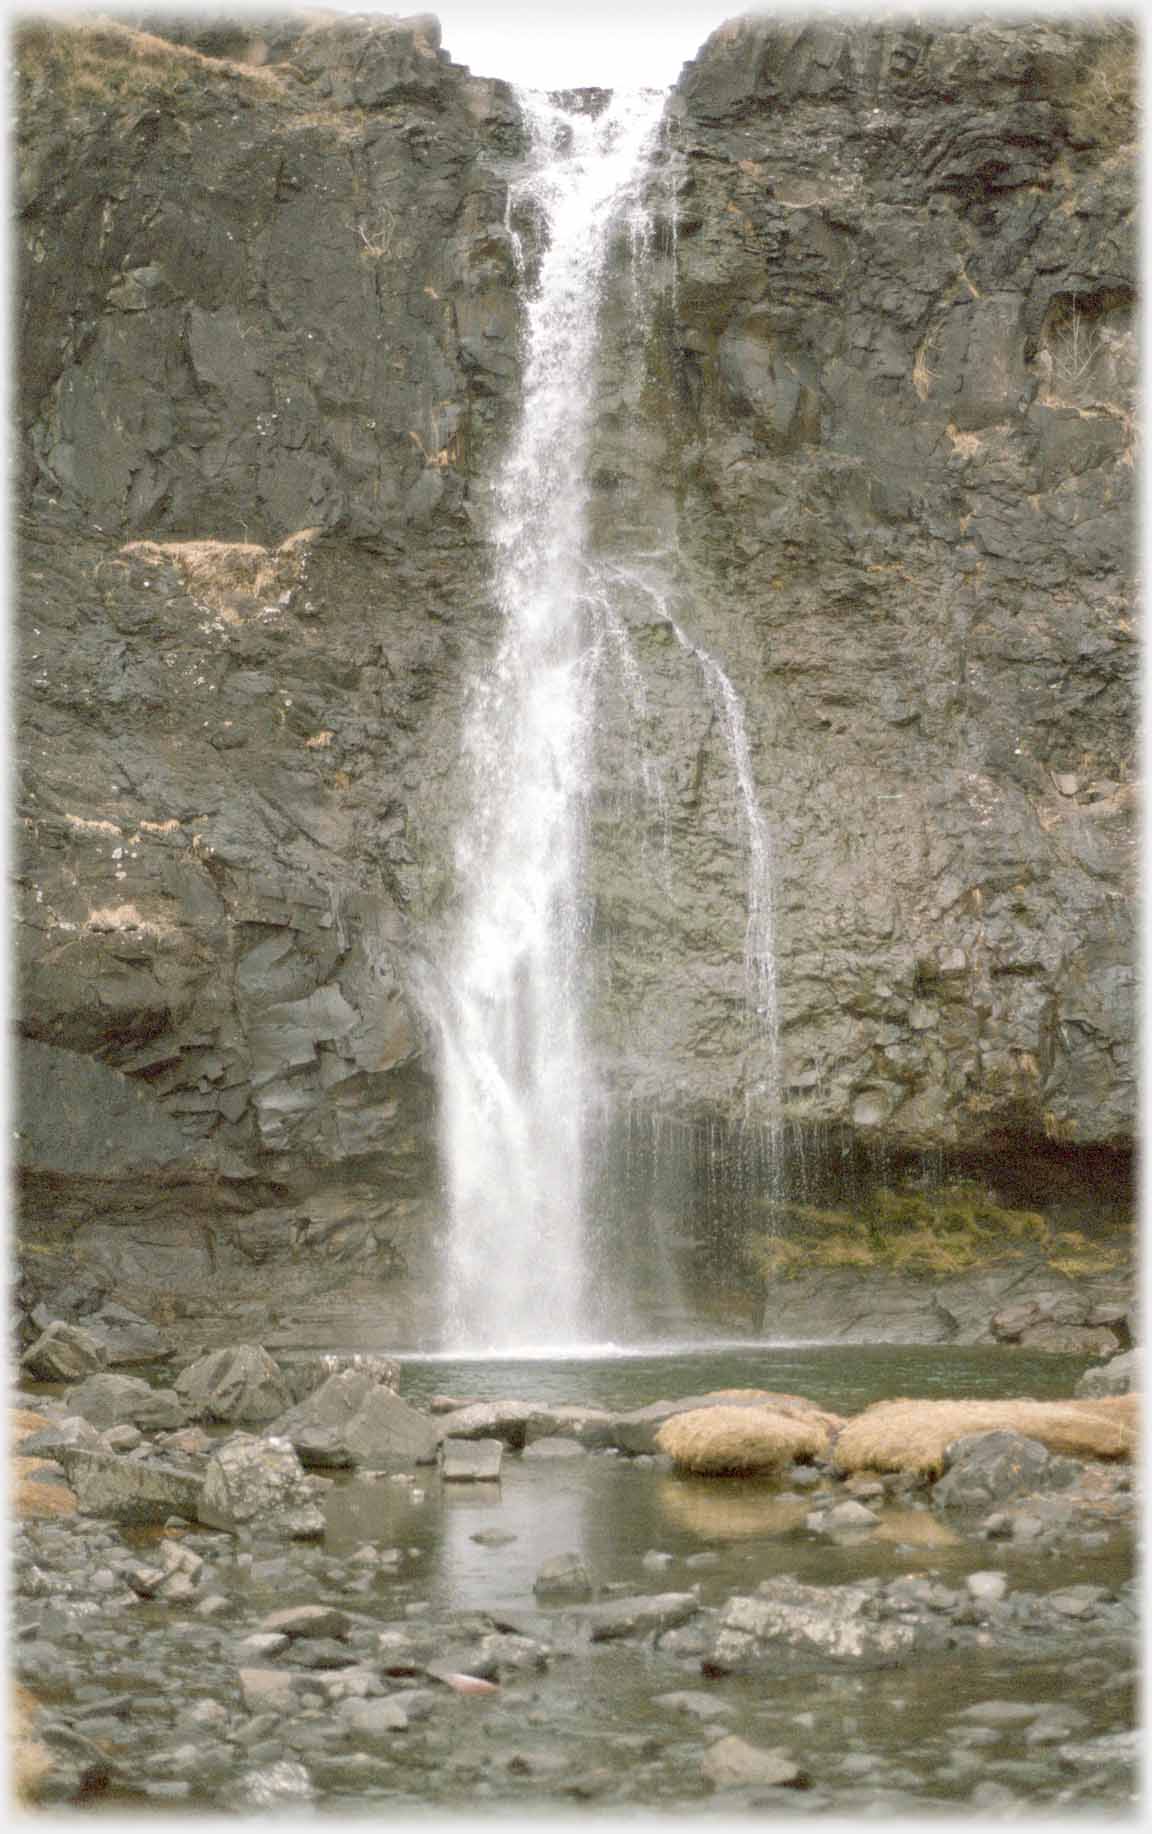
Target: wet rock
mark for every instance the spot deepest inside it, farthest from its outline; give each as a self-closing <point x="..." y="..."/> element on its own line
<point x="642" y="1616"/>
<point x="1120" y="1376"/>
<point x="174" y="1578"/>
<point x="131" y="1490"/>
<point x="237" y="1384"/>
<point x="785" y="1618"/>
<point x="307" y="1621"/>
<point x="251" y="1482"/>
<point x="986" y="1588"/>
<point x="320" y="1448"/>
<point x="549" y="1448"/>
<point x="733" y="1763"/>
<point x="263" y="1643"/>
<point x="63" y="1353"/>
<point x="849" y="1517"/>
<point x="564" y="1573"/>
<point x="471" y="1460"/>
<point x="506" y="1421"/>
<point x="695" y="1703"/>
<point x="591" y="1426"/>
<point x="373" y="1719"/>
<point x="985" y="1468"/>
<point x="114" y="1400"/>
<point x="265" y="1690"/>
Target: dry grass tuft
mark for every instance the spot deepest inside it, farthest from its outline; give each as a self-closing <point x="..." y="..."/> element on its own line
<point x="230" y="576"/>
<point x="913" y="1435"/>
<point x="25" y="1420"/>
<point x="101" y="62"/>
<point x="30" y="1761"/>
<point x="32" y="1497"/>
<point x="723" y="1441"/>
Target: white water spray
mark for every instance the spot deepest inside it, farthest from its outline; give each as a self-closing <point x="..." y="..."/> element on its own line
<point x="515" y="1081"/>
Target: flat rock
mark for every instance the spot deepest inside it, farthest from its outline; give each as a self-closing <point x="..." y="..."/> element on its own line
<point x="131" y="1490"/>
<point x="307" y="1621"/>
<point x="373" y="1719"/>
<point x="503" y="1420"/>
<point x="732" y="1763"/>
<point x="471" y="1460"/>
<point x="564" y="1573"/>
<point x="108" y="1400"/>
<point x="640" y="1616"/>
<point x="841" y="1623"/>
<point x="554" y="1448"/>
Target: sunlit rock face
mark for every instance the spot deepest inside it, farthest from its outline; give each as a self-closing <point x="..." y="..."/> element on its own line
<point x="862" y="435"/>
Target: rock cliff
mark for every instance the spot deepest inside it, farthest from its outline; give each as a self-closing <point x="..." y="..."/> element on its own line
<point x="872" y="432"/>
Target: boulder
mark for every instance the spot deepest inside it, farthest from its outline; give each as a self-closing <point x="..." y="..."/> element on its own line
<point x="385" y="1431"/>
<point x="131" y="1490"/>
<point x="238" y="1384"/>
<point x="118" y="1400"/>
<point x="374" y="1425"/>
<point x="125" y="1336"/>
<point x="63" y="1353"/>
<point x="986" y="1469"/>
<point x="735" y="1440"/>
<point x="261" y="1483"/>
<point x="1120" y="1376"/>
<point x="303" y="1375"/>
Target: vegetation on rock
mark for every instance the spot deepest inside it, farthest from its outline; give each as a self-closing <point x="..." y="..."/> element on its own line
<point x="944" y="1230"/>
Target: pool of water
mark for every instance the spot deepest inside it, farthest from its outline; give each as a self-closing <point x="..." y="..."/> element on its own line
<point x="842" y="1377"/>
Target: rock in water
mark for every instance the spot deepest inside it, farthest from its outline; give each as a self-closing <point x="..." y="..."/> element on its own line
<point x="260" y="1481"/>
<point x="732" y="1763"/>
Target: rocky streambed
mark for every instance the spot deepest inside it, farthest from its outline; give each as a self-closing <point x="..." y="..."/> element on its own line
<point x="249" y="1584"/>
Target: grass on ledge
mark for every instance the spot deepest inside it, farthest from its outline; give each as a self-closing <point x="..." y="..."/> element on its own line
<point x="947" y="1230"/>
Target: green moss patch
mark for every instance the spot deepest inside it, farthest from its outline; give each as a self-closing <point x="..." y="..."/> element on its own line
<point x="944" y="1230"/>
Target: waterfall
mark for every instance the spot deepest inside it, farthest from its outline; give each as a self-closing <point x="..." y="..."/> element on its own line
<point x="515" y="1079"/>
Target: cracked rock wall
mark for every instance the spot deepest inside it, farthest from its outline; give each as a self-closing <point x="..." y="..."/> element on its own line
<point x="268" y="353"/>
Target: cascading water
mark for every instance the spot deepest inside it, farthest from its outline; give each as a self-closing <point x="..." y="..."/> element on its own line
<point x="515" y="1081"/>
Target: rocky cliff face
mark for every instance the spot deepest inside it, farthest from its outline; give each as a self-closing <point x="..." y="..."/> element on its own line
<point x="871" y="440"/>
